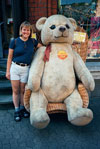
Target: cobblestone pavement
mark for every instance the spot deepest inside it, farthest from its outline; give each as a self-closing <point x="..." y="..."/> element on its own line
<point x="59" y="134"/>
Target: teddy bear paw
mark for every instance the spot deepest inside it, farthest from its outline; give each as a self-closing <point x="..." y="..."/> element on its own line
<point x="39" y="118"/>
<point x="83" y="117"/>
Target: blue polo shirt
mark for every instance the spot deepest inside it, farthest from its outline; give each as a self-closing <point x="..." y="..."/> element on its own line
<point x="23" y="50"/>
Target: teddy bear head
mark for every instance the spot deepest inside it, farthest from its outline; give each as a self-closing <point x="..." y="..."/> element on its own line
<point x="56" y="29"/>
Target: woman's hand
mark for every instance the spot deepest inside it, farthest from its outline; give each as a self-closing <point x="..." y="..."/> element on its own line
<point x="39" y="45"/>
<point x="8" y="75"/>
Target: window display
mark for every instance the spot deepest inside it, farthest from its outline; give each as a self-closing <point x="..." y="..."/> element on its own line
<point x="94" y="40"/>
<point x="87" y="15"/>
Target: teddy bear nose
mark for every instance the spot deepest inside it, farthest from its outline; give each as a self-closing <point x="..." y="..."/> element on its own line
<point x="62" y="29"/>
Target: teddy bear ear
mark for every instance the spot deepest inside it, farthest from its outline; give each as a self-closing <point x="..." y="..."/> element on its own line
<point x="40" y="23"/>
<point x="73" y="23"/>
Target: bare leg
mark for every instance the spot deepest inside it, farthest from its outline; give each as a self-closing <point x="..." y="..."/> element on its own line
<point x="16" y="93"/>
<point x="38" y="105"/>
<point x="22" y="90"/>
<point x="77" y="115"/>
<point x="23" y="111"/>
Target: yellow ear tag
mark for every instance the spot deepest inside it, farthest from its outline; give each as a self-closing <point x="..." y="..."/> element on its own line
<point x="62" y="54"/>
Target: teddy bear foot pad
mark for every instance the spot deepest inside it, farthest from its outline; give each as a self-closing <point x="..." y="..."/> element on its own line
<point x="39" y="119"/>
<point x="81" y="121"/>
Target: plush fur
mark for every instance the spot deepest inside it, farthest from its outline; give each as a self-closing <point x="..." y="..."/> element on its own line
<point x="55" y="80"/>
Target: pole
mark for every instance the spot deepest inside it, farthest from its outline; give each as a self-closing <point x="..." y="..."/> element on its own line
<point x="1" y="49"/>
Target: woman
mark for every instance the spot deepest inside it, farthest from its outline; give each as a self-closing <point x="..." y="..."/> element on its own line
<point x="20" y="55"/>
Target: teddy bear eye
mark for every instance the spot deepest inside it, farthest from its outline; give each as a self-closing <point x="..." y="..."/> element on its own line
<point x="67" y="26"/>
<point x="52" y="27"/>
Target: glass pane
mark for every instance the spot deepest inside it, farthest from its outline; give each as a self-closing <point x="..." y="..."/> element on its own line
<point x="9" y="26"/>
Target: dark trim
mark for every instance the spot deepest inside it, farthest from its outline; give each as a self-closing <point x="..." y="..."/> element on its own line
<point x="57" y="6"/>
<point x="47" y="8"/>
<point x="16" y="17"/>
<point x="93" y="60"/>
<point x="26" y="10"/>
<point x="4" y="20"/>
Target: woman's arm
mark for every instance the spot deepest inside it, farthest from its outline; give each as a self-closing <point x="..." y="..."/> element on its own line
<point x="39" y="45"/>
<point x="9" y="61"/>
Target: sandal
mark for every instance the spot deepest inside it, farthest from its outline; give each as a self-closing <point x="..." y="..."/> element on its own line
<point x="17" y="116"/>
<point x="24" y="113"/>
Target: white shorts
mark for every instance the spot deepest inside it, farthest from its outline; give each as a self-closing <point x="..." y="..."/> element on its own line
<point x="18" y="72"/>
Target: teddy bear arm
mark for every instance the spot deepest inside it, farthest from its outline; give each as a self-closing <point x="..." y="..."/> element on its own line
<point x="36" y="70"/>
<point x="83" y="73"/>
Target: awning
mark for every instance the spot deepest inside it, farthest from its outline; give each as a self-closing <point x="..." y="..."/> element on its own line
<point x="65" y="2"/>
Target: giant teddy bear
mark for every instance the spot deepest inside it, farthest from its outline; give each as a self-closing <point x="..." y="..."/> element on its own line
<point x="52" y="76"/>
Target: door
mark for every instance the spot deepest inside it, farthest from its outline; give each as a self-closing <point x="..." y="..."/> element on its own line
<point x="20" y="14"/>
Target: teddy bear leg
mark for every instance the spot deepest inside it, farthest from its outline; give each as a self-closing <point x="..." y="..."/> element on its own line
<point x="77" y="115"/>
<point x="38" y="105"/>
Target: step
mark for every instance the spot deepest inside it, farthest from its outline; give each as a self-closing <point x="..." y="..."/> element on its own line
<point x="5" y="87"/>
<point x="5" y="84"/>
<point x="2" y="75"/>
<point x="94" y="68"/>
<point x="3" y="63"/>
<point x="5" y="99"/>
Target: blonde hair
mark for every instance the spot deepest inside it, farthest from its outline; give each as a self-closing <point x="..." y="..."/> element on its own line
<point x="25" y="24"/>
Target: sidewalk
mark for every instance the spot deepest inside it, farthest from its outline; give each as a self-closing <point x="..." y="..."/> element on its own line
<point x="59" y="134"/>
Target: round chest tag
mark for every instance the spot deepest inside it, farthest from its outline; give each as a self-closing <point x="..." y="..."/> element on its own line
<point x="62" y="54"/>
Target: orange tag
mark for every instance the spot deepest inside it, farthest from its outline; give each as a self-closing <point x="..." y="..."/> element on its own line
<point x="62" y="54"/>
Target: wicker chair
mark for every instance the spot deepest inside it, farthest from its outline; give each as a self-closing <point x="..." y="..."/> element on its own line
<point x="81" y="49"/>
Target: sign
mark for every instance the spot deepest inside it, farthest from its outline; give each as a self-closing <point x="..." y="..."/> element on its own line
<point x="33" y="35"/>
<point x="79" y="36"/>
<point x="66" y="2"/>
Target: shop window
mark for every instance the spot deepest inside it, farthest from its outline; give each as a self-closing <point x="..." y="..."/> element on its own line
<point x="10" y="32"/>
<point x="87" y="15"/>
<point x="7" y="27"/>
